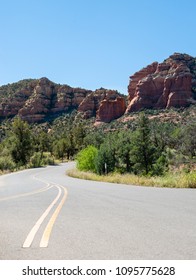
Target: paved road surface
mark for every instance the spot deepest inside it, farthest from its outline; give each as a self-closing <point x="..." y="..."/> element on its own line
<point x="46" y="215"/>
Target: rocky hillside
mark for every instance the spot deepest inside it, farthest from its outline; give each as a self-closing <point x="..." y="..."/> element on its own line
<point x="171" y="83"/>
<point x="36" y="100"/>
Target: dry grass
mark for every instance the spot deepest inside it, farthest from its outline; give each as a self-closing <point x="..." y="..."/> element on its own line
<point x="178" y="180"/>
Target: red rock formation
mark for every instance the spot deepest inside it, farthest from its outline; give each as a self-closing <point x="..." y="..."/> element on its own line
<point x="42" y="98"/>
<point x="140" y="75"/>
<point x="90" y="104"/>
<point x="106" y="105"/>
<point x="111" y="109"/>
<point x="10" y="106"/>
<point x="164" y="85"/>
<point x="49" y="98"/>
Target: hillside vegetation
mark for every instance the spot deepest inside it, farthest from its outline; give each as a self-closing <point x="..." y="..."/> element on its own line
<point x="9" y="90"/>
<point x="143" y="148"/>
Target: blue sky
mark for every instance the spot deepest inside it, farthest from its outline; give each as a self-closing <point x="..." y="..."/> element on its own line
<point x="91" y="43"/>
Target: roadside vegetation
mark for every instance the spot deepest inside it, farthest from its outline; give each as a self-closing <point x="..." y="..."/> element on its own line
<point x="145" y="150"/>
<point x="152" y="153"/>
<point x="178" y="180"/>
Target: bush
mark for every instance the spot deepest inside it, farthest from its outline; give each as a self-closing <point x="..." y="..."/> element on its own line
<point x="35" y="160"/>
<point x="6" y="163"/>
<point x="105" y="160"/>
<point x="38" y="160"/>
<point x="47" y="159"/>
<point x="160" y="166"/>
<point x="86" y="159"/>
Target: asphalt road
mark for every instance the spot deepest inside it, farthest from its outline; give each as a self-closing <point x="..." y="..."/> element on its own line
<point x="45" y="214"/>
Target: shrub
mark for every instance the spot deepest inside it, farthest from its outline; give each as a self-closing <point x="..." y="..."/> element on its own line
<point x="6" y="163"/>
<point x="38" y="160"/>
<point x="105" y="160"/>
<point x="35" y="160"/>
<point x="160" y="166"/>
<point x="47" y="159"/>
<point x="86" y="159"/>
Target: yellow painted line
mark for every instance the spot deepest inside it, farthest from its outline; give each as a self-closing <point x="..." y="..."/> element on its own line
<point x="26" y="194"/>
<point x="37" y="225"/>
<point x="46" y="235"/>
<point x="38" y="179"/>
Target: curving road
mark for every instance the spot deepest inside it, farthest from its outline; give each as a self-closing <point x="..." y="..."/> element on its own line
<point x="45" y="214"/>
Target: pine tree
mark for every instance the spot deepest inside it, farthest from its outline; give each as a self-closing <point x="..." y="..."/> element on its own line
<point x="21" y="142"/>
<point x="105" y="160"/>
<point x="142" y="151"/>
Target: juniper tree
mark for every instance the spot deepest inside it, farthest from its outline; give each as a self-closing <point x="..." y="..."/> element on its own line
<point x="142" y="150"/>
<point x="21" y="148"/>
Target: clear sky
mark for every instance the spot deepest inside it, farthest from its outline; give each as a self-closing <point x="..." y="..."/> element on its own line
<point x="91" y="43"/>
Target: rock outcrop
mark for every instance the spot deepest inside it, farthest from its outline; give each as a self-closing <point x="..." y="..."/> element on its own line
<point x="36" y="100"/>
<point x="90" y="104"/>
<point x="13" y="98"/>
<point x="111" y="109"/>
<point x="105" y="105"/>
<point x="164" y="85"/>
<point x="49" y="98"/>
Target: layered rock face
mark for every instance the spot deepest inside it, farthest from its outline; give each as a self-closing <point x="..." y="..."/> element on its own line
<point x="49" y="98"/>
<point x="10" y="105"/>
<point x="105" y="105"/>
<point x="39" y="99"/>
<point x="165" y="85"/>
<point x="111" y="109"/>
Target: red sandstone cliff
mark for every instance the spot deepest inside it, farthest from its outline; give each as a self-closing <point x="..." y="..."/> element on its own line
<point x="35" y="100"/>
<point x="105" y="105"/>
<point x="163" y="85"/>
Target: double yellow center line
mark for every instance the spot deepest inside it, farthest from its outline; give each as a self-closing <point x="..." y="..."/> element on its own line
<point x="48" y="229"/>
<point x="46" y="235"/>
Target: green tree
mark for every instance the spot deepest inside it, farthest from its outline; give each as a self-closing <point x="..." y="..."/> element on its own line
<point x="79" y="133"/>
<point x="94" y="138"/>
<point x="142" y="150"/>
<point x="43" y="148"/>
<point x="21" y="148"/>
<point x="86" y="159"/>
<point x="60" y="148"/>
<point x="163" y="135"/>
<point x="123" y="146"/>
<point x="105" y="160"/>
<point x="188" y="140"/>
<point x="42" y="143"/>
<point x="70" y="147"/>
